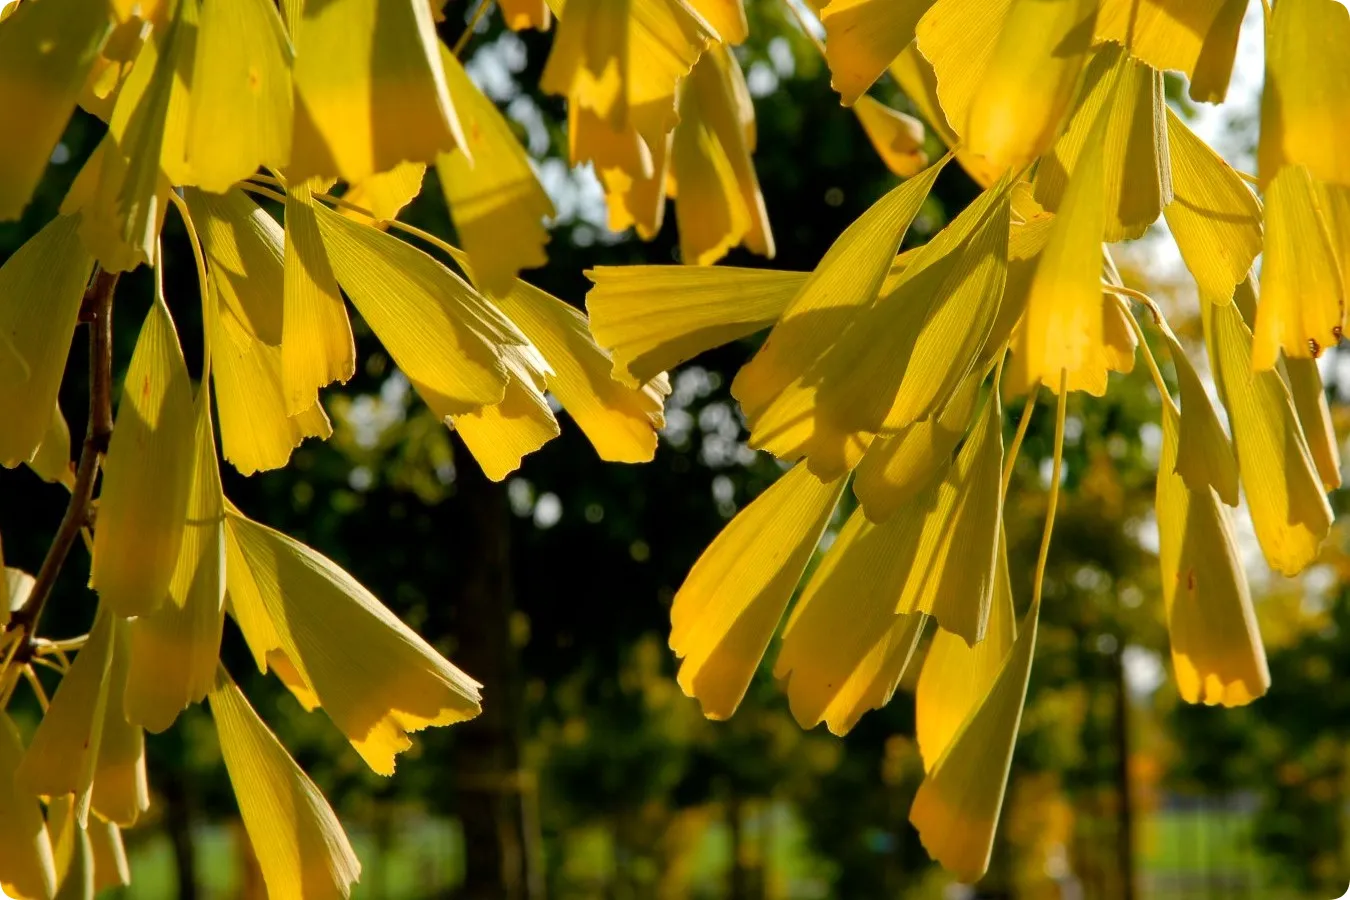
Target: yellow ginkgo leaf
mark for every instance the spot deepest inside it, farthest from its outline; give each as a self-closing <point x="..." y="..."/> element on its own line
<point x="369" y="89"/>
<point x="495" y="198"/>
<point x="51" y="265"/>
<point x="1216" y="645"/>
<point x="916" y="78"/>
<point x="958" y="803"/>
<point x="897" y="138"/>
<point x="1204" y="456"/>
<point x="241" y="111"/>
<point x="1197" y="37"/>
<point x="376" y="679"/>
<point x="727" y="17"/>
<point x="1302" y="309"/>
<point x="446" y="338"/>
<point x="84" y="745"/>
<point x="619" y="420"/>
<point x="1137" y="166"/>
<point x="1289" y="512"/>
<point x="652" y="318"/>
<point x="636" y="197"/>
<point x="26" y="865"/>
<point x="733" y="598"/>
<point x="1214" y="217"/>
<point x="317" y="347"/>
<point x="846" y="280"/>
<point x="300" y="845"/>
<point x="51" y="462"/>
<point x="386" y="193"/>
<point x="956" y="677"/>
<point x="174" y="648"/>
<point x="73" y="850"/>
<point x="1063" y="328"/>
<point x="903" y="356"/>
<point x="122" y="188"/>
<point x="522" y="14"/>
<point x="244" y="247"/>
<point x="719" y="200"/>
<point x="111" y="868"/>
<point x="1303" y="104"/>
<point x="1314" y="417"/>
<point x="862" y="37"/>
<point x="898" y="466"/>
<point x="844" y="632"/>
<point x="143" y="505"/>
<point x="47" y="50"/>
<point x="256" y="433"/>
<point x="501" y="435"/>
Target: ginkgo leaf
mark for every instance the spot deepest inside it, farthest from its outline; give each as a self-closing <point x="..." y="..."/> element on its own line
<point x="727" y="17"/>
<point x="636" y="196"/>
<point x="376" y="679"/>
<point x="1302" y="309"/>
<point x="1314" y="418"/>
<point x="173" y="154"/>
<point x="847" y="279"/>
<point x="1136" y="164"/>
<point x="844" y="631"/>
<point x="956" y="39"/>
<point x="916" y="78"/>
<point x="1015" y="107"/>
<point x="956" y="677"/>
<point x="111" y="868"/>
<point x="26" y="865"/>
<point x="1289" y="512"/>
<point x="122" y="189"/>
<point x="73" y="850"/>
<point x="1063" y="329"/>
<point x="369" y="89"/>
<point x="147" y="474"/>
<point x="47" y="50"/>
<point x="522" y="14"/>
<point x="958" y="803"/>
<point x="495" y="198"/>
<point x="54" y="266"/>
<point x="729" y="605"/>
<point x="619" y="420"/>
<point x="1197" y="37"/>
<point x="501" y="435"/>
<point x="1303" y="103"/>
<point x="897" y="138"/>
<point x="174" y="648"/>
<point x="84" y="745"/>
<point x="896" y="467"/>
<point x="1214" y="217"/>
<point x="244" y="247"/>
<point x="386" y="193"/>
<point x="1216" y="645"/>
<point x="447" y="339"/>
<point x="51" y="462"/>
<point x="862" y="37"/>
<point x="652" y="318"/>
<point x="903" y="356"/>
<point x="719" y="200"/>
<point x="300" y="845"/>
<point x="256" y="433"/>
<point x="953" y="570"/>
<point x="1204" y="456"/>
<point x="241" y="110"/>
<point x="15" y="586"/>
<point x="317" y="347"/>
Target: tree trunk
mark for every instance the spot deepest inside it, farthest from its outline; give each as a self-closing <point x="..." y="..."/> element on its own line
<point x="500" y="839"/>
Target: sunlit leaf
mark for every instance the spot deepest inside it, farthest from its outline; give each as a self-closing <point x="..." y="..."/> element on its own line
<point x="1314" y="417"/>
<point x="1197" y="37"/>
<point x="300" y="845"/>
<point x="41" y="286"/>
<point x="730" y="604"/>
<point x="376" y="679"/>
<point x="26" y="865"/>
<point x="897" y="138"/>
<point x="501" y="435"/>
<point x="522" y="14"/>
<point x="147" y="474"/>
<point x="386" y="193"/>
<point x="1204" y="455"/>
<point x="244" y="249"/>
<point x="727" y="17"/>
<point x="862" y="37"/>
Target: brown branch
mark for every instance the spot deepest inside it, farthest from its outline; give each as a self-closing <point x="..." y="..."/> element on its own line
<point x="96" y="310"/>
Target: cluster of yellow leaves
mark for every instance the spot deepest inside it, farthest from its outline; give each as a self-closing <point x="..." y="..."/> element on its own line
<point x="892" y="369"/>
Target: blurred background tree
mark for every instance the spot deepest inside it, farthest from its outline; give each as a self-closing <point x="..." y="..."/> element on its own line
<point x="590" y="774"/>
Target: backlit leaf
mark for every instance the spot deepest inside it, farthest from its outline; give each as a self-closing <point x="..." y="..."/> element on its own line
<point x="26" y="865"/>
<point x="897" y="138"/>
<point x="1204" y="456"/>
<point x="1196" y="37"/>
<point x="862" y="37"/>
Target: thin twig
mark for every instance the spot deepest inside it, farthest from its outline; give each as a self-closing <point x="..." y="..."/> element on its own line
<point x="1021" y="433"/>
<point x="37" y="687"/>
<point x="97" y="311"/>
<point x="468" y="29"/>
